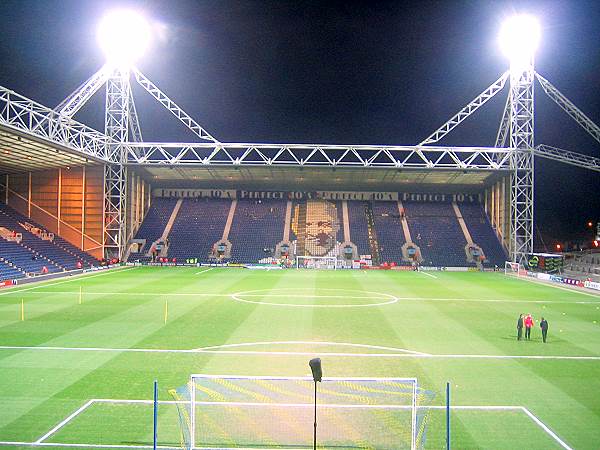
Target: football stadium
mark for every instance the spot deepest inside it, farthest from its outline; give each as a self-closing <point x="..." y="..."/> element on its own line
<point x="204" y="294"/>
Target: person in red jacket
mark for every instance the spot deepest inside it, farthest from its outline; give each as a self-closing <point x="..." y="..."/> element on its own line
<point x="528" y="326"/>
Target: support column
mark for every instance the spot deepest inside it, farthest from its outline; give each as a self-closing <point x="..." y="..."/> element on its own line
<point x="288" y="221"/>
<point x="29" y="197"/>
<point x="59" y="200"/>
<point x="143" y="201"/>
<point x="83" y="209"/>
<point x="116" y="126"/>
<point x="521" y="160"/>
<point x="498" y="207"/>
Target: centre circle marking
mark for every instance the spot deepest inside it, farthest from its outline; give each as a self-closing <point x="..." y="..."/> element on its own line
<point x="388" y="299"/>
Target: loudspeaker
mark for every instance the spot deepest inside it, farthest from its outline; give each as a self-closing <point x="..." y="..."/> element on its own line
<point x="315" y="366"/>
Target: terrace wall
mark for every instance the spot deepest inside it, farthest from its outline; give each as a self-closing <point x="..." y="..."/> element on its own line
<point x="70" y="202"/>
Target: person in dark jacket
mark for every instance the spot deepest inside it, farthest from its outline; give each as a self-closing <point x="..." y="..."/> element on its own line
<point x="544" y="327"/>
<point x="520" y="327"/>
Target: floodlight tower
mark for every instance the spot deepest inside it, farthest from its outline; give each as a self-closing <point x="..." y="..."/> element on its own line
<point x="519" y="38"/>
<point x="123" y="35"/>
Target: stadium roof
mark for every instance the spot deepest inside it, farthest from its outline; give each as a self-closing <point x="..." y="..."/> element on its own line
<point x="21" y="152"/>
<point x="311" y="178"/>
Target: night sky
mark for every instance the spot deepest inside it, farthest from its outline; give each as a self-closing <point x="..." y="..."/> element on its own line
<point x="347" y="72"/>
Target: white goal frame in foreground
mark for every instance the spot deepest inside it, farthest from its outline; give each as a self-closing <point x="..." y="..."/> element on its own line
<point x="513" y="268"/>
<point x="318" y="262"/>
<point x="413" y="403"/>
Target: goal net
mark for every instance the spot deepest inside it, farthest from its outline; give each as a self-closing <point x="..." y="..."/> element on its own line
<point x="227" y="412"/>
<point x="513" y="268"/>
<point x="316" y="262"/>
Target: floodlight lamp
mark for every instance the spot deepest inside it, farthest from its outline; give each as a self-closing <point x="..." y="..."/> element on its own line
<point x="519" y="39"/>
<point x="124" y="36"/>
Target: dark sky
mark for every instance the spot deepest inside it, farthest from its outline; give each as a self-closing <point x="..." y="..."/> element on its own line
<point x="346" y="72"/>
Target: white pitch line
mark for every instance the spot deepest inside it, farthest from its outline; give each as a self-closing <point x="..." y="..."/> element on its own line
<point x="428" y="274"/>
<point x="546" y="429"/>
<point x="204" y="271"/>
<point x="386" y="297"/>
<point x="345" y="344"/>
<point x="418" y="299"/>
<point x="84" y="276"/>
<point x="71" y="445"/>
<point x="137" y="294"/>
<point x="99" y="349"/>
<point x="64" y="422"/>
<point x="39" y="442"/>
<point x="288" y="353"/>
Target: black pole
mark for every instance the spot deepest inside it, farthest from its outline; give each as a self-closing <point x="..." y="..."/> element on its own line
<point x="315" y="367"/>
<point x="315" y="430"/>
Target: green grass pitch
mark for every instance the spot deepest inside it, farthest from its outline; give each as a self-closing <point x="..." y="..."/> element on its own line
<point x="435" y="326"/>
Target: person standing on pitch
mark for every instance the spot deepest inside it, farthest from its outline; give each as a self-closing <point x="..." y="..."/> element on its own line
<point x="528" y="326"/>
<point x="520" y="327"/>
<point x="544" y="327"/>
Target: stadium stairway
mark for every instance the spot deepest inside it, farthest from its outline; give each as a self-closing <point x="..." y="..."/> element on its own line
<point x="359" y="228"/>
<point x="390" y="235"/>
<point x="154" y="224"/>
<point x="299" y="234"/>
<point x="372" y="235"/>
<point x="483" y="234"/>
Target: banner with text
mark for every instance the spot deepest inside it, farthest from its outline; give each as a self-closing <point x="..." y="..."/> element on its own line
<point x="317" y="195"/>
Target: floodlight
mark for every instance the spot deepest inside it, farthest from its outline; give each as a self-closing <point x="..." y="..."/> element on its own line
<point x="123" y="35"/>
<point x="519" y="39"/>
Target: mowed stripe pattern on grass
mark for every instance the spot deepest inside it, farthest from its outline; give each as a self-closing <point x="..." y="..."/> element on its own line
<point x="38" y="391"/>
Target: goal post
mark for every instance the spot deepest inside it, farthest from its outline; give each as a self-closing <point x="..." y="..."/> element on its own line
<point x="277" y="412"/>
<point x="513" y="268"/>
<point x="316" y="262"/>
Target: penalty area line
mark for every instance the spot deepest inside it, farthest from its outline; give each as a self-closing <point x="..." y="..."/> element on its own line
<point x="544" y="427"/>
<point x="64" y="422"/>
<point x="204" y="271"/>
<point x="39" y="442"/>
